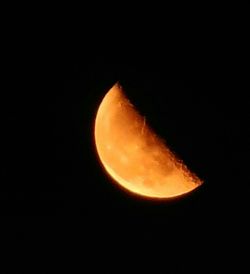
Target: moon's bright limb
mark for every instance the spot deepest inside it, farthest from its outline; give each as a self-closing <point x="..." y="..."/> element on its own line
<point x="134" y="155"/>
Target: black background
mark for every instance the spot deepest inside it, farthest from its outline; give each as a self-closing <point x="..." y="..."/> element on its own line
<point x="56" y="200"/>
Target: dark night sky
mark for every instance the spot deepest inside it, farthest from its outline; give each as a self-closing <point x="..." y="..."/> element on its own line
<point x="56" y="197"/>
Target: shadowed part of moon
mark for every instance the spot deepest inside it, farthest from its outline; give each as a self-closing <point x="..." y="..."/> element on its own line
<point x="134" y="155"/>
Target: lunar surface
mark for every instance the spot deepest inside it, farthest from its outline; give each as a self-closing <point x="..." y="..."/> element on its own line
<point x="133" y="155"/>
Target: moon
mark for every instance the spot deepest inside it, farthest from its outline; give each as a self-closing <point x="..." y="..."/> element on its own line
<point x="132" y="153"/>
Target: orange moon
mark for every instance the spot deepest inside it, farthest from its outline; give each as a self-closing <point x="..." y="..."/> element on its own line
<point x="133" y="155"/>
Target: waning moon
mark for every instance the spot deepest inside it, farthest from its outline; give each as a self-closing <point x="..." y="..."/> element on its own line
<point x="133" y="155"/>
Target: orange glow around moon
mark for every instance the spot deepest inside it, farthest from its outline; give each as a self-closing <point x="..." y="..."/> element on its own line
<point x="133" y="155"/>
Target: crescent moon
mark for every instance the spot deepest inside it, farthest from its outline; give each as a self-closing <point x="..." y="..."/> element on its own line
<point x="133" y="155"/>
